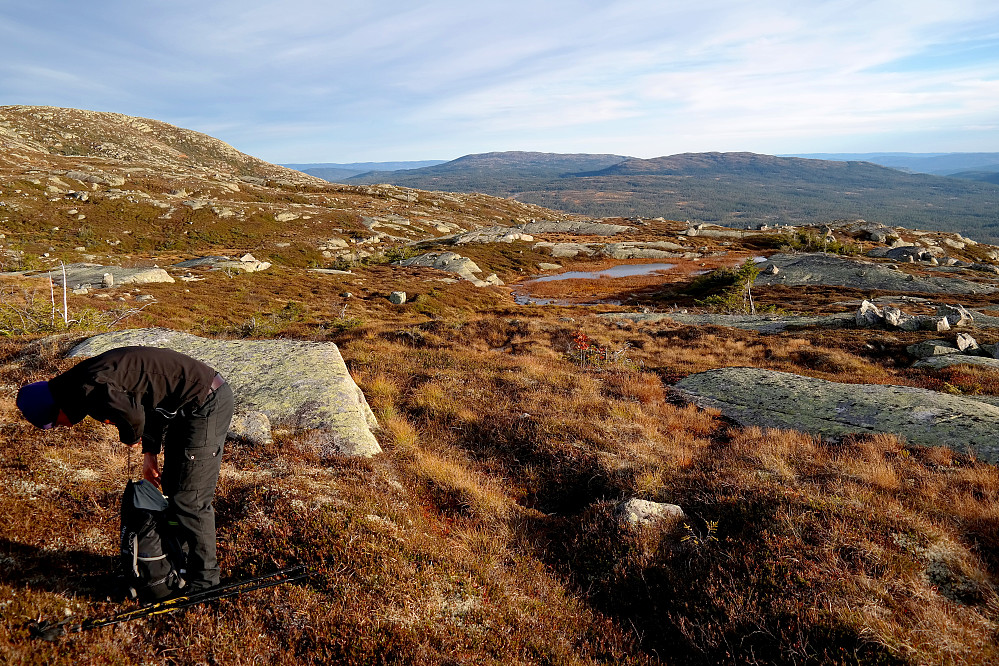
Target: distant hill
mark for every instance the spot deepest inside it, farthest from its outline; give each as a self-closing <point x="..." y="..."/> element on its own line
<point x="985" y="175"/>
<point x="735" y="189"/>
<point x="502" y="173"/>
<point x="337" y="173"/>
<point x="940" y="164"/>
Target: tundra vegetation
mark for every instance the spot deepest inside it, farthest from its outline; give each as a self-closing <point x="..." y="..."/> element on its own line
<point x="488" y="529"/>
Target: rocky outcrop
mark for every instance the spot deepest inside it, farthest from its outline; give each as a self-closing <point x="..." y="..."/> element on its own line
<point x="929" y="348"/>
<point x="573" y="227"/>
<point x="298" y="385"/>
<point x="798" y="270"/>
<point x="751" y="396"/>
<point x="247" y="263"/>
<point x="715" y="231"/>
<point x="761" y="323"/>
<point x="638" y="250"/>
<point x="452" y="262"/>
<point x="492" y="235"/>
<point x="869" y="315"/>
<point x="565" y="250"/>
<point x="95" y="276"/>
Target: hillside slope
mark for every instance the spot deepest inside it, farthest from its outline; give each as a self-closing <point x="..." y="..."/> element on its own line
<point x="55" y="132"/>
<point x="83" y="185"/>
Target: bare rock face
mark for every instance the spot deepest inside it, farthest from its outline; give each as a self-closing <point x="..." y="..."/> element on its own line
<point x="298" y="385"/>
<point x="565" y="250"/>
<point x="767" y="398"/>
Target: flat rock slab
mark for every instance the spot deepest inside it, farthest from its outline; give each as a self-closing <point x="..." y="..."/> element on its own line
<point x="573" y="227"/>
<point x="250" y="265"/>
<point x="92" y="275"/>
<point x="798" y="270"/>
<point x="766" y="398"/>
<point x="301" y="385"/>
<point x="761" y="323"/>
<point x="937" y="362"/>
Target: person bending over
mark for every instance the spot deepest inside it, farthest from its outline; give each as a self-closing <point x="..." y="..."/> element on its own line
<point x="165" y="400"/>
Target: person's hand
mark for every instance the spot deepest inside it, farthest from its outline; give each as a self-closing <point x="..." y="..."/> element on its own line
<point x="151" y="469"/>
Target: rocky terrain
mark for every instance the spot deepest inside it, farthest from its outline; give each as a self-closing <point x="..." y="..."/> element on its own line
<point x="498" y="433"/>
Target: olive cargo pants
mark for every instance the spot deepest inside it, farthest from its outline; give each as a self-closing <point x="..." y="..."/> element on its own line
<point x="192" y="457"/>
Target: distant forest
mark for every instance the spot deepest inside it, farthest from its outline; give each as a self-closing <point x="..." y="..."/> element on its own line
<point x="734" y="189"/>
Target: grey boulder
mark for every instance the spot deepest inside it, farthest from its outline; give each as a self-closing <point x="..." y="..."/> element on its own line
<point x="767" y="398"/>
<point x="298" y="385"/>
<point x="643" y="513"/>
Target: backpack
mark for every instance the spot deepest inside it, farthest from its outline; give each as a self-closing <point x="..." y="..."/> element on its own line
<point x="149" y="553"/>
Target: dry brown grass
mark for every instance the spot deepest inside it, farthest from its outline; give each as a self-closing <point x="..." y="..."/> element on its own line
<point x="486" y="533"/>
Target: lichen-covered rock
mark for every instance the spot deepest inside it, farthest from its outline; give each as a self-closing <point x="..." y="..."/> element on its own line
<point x="251" y="427"/>
<point x="768" y="398"/>
<point x="99" y="178"/>
<point x="300" y="385"/>
<point x="492" y="235"/>
<point x="397" y="297"/>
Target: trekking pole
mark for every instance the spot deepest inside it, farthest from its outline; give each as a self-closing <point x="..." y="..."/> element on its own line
<point x="50" y="631"/>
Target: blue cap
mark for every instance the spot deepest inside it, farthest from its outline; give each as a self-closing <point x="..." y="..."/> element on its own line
<point x="36" y="403"/>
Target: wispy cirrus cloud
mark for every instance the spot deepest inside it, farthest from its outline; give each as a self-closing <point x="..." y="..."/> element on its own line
<point x="305" y="80"/>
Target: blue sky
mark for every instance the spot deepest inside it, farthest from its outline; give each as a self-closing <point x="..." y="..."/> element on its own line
<point x="321" y="81"/>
